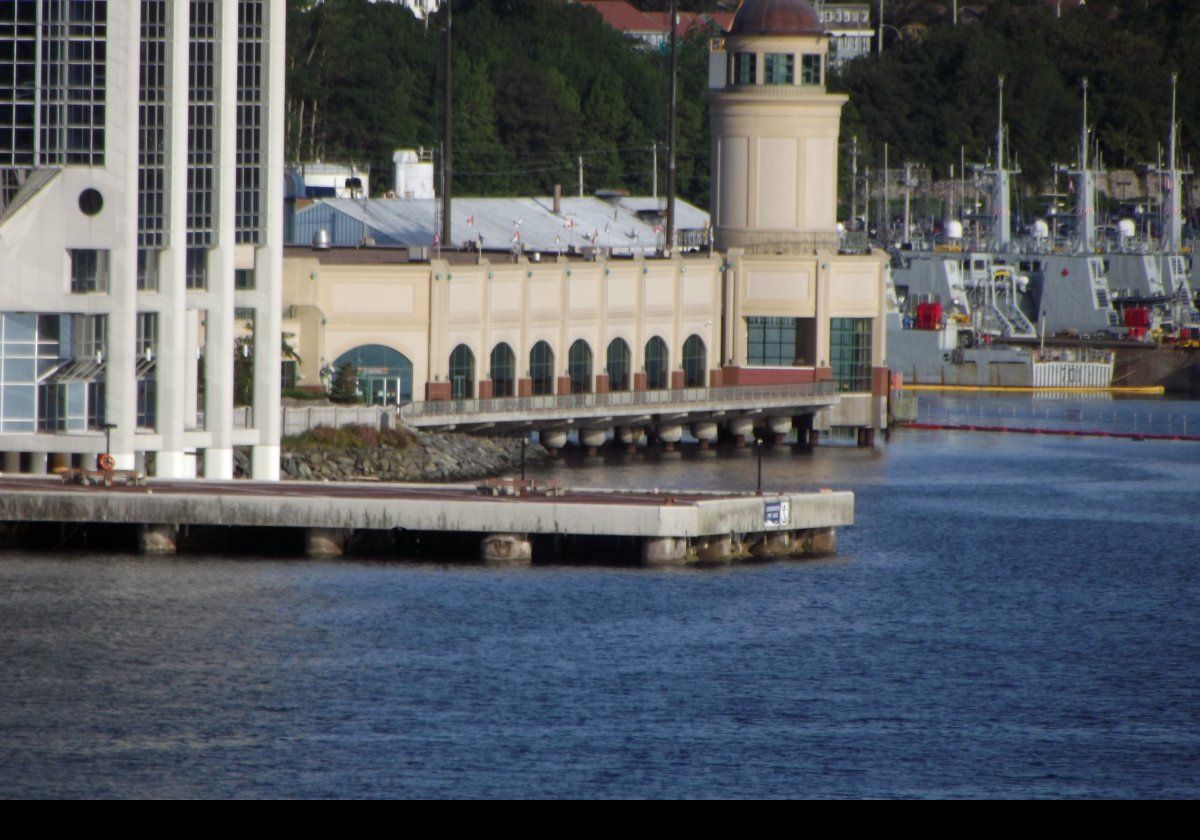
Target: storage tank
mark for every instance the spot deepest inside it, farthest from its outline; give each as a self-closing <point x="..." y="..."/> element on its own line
<point x="1126" y="228"/>
<point x="1041" y="230"/>
<point x="954" y="229"/>
<point x="412" y="174"/>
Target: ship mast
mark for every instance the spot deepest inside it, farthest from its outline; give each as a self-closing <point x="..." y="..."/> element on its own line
<point x="1173" y="229"/>
<point x="1085" y="189"/>
<point x="1001" y="206"/>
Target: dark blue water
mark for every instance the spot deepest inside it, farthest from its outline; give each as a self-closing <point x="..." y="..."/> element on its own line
<point x="1010" y="616"/>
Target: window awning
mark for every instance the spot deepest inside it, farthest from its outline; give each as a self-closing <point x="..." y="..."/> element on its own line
<point x="76" y="370"/>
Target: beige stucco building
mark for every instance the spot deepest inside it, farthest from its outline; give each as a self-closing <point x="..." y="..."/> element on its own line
<point x="781" y="300"/>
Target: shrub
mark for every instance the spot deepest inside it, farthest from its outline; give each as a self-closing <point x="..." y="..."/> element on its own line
<point x="350" y="437"/>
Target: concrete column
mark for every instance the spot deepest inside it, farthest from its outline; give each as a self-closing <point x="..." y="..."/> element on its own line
<point x="665" y="551"/>
<point x="324" y="542"/>
<point x="12" y="463"/>
<point x="772" y="545"/>
<point x="191" y="364"/>
<point x="218" y="355"/>
<point x="268" y="262"/>
<point x="120" y="304"/>
<point x="506" y="550"/>
<point x="823" y="541"/>
<point x="37" y="463"/>
<point x="177" y="336"/>
<point x="716" y="549"/>
<point x="157" y="539"/>
<point x="264" y="456"/>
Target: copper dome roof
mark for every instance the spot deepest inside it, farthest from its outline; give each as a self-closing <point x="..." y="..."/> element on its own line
<point x="776" y="17"/>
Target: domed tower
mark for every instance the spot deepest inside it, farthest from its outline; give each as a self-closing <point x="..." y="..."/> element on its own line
<point x="774" y="132"/>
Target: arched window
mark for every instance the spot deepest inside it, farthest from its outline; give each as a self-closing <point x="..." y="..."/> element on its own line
<point x="694" y="359"/>
<point x="579" y="367"/>
<point x="541" y="368"/>
<point x="504" y="371"/>
<point x="384" y="375"/>
<point x="658" y="368"/>
<point x="462" y="373"/>
<point x="618" y="365"/>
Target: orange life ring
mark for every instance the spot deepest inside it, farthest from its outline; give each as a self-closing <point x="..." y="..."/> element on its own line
<point x="106" y="461"/>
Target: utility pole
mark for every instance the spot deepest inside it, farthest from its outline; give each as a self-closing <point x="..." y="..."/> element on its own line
<point x="654" y="171"/>
<point x="887" y="199"/>
<point x="908" y="185"/>
<point x="581" y="175"/>
<point x="670" y="231"/>
<point x="867" y="209"/>
<point x="880" y="27"/>
<point x="447" y="148"/>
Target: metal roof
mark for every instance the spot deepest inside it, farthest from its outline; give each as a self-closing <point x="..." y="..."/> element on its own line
<point x="621" y="224"/>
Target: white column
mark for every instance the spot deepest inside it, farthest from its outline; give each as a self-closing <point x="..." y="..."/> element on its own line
<point x="177" y="335"/>
<point x="218" y="353"/>
<point x="268" y="263"/>
<point x="121" y="146"/>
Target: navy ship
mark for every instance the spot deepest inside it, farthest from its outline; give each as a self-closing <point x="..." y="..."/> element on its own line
<point x="1046" y="309"/>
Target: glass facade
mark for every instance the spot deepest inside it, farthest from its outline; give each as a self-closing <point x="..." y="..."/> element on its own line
<point x="618" y="364"/>
<point x="153" y="93"/>
<point x="695" y="362"/>
<point x="462" y="373"/>
<point x="579" y="367"/>
<point x="541" y="368"/>
<point x="384" y="374"/>
<point x="744" y="65"/>
<point x="251" y="115"/>
<point x="504" y="371"/>
<point x="89" y="271"/>
<point x="147" y="382"/>
<point x="658" y="368"/>
<point x="53" y="61"/>
<point x="810" y="69"/>
<point x="779" y="69"/>
<point x="770" y="341"/>
<point x="202" y="124"/>
<point x="850" y="353"/>
<point x="196" y="268"/>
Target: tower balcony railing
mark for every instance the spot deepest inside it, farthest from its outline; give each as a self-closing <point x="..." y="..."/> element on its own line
<point x="793" y="242"/>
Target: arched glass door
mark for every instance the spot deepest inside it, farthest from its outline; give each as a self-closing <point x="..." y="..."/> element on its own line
<point x="384" y="375"/>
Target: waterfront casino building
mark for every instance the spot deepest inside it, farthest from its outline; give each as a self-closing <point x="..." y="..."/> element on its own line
<point x="574" y="308"/>
<point x="140" y="193"/>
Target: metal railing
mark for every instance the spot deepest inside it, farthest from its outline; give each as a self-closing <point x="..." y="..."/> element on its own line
<point x="619" y="399"/>
<point x="299" y="419"/>
<point x="782" y="242"/>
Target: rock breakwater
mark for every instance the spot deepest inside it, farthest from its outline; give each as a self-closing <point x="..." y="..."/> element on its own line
<point x="411" y="456"/>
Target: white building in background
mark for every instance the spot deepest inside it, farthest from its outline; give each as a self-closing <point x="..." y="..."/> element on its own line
<point x="141" y="172"/>
<point x="850" y="32"/>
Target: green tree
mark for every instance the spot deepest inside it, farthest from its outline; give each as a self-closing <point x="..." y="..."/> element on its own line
<point x="344" y="388"/>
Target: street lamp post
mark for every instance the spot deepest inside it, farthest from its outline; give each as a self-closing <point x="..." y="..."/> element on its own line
<point x="758" y="446"/>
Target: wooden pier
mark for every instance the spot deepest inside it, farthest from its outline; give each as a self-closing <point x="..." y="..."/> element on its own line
<point x="497" y="525"/>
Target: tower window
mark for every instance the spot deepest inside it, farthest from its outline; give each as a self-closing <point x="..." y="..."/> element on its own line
<point x="810" y="69"/>
<point x="744" y="65"/>
<point x="779" y="69"/>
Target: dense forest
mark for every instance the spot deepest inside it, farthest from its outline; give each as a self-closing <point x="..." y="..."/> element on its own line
<point x="934" y="89"/>
<point x="538" y="83"/>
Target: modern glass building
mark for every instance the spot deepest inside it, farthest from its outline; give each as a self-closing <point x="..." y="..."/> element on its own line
<point x="141" y="151"/>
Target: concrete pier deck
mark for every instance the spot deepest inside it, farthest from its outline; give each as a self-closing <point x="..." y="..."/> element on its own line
<point x="666" y="527"/>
